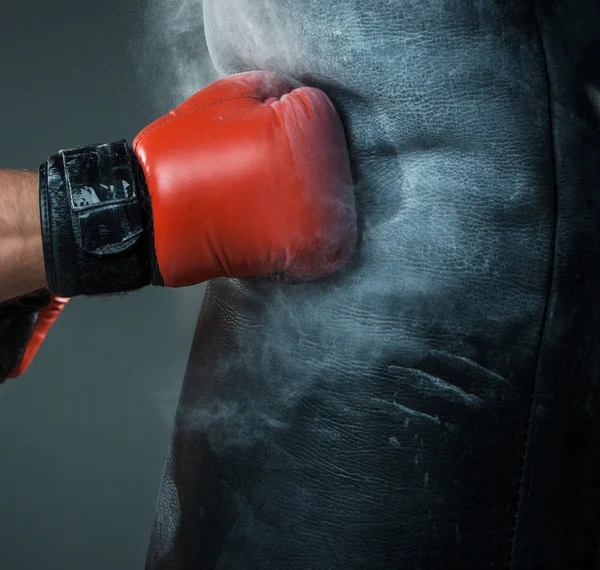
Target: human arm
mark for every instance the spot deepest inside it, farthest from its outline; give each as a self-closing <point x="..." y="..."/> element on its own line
<point x="21" y="254"/>
<point x="27" y="308"/>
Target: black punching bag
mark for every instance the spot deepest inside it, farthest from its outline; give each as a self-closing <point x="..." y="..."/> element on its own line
<point x="435" y="405"/>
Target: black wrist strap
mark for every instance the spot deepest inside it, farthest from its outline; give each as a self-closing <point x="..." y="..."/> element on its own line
<point x="96" y="222"/>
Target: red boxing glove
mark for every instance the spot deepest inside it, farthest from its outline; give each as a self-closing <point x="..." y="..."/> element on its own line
<point x="45" y="319"/>
<point x="24" y="324"/>
<point x="249" y="177"/>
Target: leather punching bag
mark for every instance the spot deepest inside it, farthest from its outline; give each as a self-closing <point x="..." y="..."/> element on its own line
<point x="435" y="405"/>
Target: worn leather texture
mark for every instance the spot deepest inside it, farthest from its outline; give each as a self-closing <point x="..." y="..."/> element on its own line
<point x="96" y="221"/>
<point x="434" y="405"/>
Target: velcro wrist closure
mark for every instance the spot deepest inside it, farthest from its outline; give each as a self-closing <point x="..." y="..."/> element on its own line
<point x="96" y="221"/>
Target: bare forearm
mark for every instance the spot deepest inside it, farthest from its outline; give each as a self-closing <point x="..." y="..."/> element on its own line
<point x="21" y="254"/>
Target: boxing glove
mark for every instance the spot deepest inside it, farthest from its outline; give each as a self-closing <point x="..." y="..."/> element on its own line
<point x="24" y="323"/>
<point x="249" y="177"/>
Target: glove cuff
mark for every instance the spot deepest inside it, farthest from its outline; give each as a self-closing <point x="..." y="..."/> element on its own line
<point x="96" y="222"/>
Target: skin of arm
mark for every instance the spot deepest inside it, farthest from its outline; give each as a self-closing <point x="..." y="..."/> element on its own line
<point x="21" y="254"/>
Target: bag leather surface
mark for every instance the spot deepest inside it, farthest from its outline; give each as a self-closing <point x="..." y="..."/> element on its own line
<point x="435" y="405"/>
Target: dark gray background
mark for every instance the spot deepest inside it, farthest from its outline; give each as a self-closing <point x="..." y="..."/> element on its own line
<point x="84" y="433"/>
